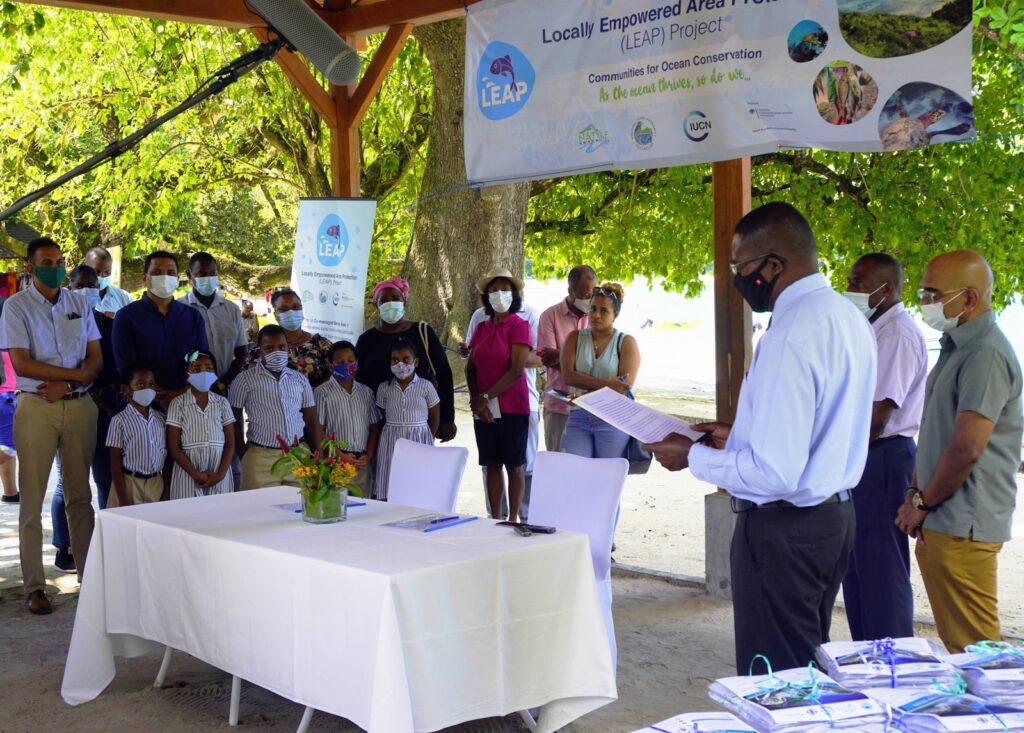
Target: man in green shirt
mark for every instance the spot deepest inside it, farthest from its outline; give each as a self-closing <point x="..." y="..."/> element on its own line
<point x="961" y="504"/>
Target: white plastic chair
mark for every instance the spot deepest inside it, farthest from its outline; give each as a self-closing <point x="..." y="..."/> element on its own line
<point x="582" y="495"/>
<point x="426" y="476"/>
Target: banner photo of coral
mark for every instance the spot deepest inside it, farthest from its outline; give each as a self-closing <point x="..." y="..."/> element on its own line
<point x="557" y="88"/>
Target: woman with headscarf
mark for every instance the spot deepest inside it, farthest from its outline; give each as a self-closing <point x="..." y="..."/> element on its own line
<point x="499" y="395"/>
<point x="308" y="352"/>
<point x="373" y="350"/>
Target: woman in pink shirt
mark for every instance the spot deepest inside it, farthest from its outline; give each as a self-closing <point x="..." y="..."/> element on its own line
<point x="499" y="397"/>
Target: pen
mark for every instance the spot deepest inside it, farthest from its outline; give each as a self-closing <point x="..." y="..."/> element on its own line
<point x="450" y="524"/>
<point x="444" y="519"/>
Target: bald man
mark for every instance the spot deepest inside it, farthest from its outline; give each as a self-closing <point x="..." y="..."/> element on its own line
<point x="797" y="447"/>
<point x="960" y="507"/>
<point x="876" y="589"/>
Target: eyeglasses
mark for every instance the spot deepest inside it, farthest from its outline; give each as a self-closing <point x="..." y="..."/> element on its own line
<point x="737" y="267"/>
<point x="927" y="296"/>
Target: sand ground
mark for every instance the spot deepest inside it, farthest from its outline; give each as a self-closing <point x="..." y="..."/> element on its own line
<point x="672" y="640"/>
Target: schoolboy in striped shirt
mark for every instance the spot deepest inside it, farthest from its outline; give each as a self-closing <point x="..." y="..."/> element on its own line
<point x="137" y="443"/>
<point x="278" y="402"/>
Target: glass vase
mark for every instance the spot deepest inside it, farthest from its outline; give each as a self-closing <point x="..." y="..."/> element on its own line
<point x="331" y="508"/>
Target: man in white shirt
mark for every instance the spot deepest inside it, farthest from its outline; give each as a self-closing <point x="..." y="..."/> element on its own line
<point x="530" y="315"/>
<point x="54" y="344"/>
<point x="797" y="447"/>
<point x="112" y="298"/>
<point x="876" y="589"/>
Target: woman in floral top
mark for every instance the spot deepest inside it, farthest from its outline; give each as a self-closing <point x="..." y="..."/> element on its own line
<point x="309" y="352"/>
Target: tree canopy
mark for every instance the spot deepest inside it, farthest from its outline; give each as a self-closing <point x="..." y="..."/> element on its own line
<point x="227" y="176"/>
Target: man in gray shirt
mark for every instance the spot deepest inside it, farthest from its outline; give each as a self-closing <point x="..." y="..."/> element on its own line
<point x="961" y="505"/>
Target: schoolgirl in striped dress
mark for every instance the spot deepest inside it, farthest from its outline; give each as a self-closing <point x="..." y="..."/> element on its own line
<point x="200" y="433"/>
<point x="411" y="410"/>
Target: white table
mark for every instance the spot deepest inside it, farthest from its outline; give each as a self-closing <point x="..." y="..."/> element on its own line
<point x="395" y="630"/>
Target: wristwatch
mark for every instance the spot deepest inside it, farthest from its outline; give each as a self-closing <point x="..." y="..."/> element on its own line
<point x="917" y="499"/>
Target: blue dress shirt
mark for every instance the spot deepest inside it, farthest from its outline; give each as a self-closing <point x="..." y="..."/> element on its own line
<point x="143" y="335"/>
<point x="804" y="413"/>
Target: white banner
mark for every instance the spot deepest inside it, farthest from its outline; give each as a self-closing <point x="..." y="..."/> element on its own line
<point x="555" y="87"/>
<point x="332" y="252"/>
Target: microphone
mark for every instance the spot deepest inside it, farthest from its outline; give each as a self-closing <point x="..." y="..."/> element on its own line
<point x="308" y="33"/>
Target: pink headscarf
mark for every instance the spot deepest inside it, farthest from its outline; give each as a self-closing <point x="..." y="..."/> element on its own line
<point x="397" y="283"/>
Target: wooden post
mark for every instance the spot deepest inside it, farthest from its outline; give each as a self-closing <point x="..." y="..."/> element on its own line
<point x="345" y="157"/>
<point x="730" y="182"/>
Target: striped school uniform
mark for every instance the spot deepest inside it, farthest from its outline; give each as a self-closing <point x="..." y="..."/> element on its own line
<point x="202" y="441"/>
<point x="405" y="412"/>
<point x="143" y="452"/>
<point x="348" y="416"/>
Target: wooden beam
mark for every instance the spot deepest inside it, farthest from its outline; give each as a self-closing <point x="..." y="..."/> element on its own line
<point x="298" y="72"/>
<point x="376" y="17"/>
<point x="345" y="151"/>
<point x="377" y="71"/>
<point x="228" y="13"/>
<point x="730" y="181"/>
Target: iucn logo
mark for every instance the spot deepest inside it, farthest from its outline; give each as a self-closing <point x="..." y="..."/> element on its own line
<point x="697" y="126"/>
<point x="505" y="81"/>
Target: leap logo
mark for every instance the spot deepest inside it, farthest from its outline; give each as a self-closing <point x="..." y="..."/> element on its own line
<point x="505" y="81"/>
<point x="697" y="126"/>
<point x="331" y="241"/>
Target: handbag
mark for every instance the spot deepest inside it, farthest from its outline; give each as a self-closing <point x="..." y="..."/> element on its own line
<point x="639" y="459"/>
<point x="422" y="328"/>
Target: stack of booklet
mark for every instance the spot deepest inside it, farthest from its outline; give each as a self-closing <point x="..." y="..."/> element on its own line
<point x="994" y="671"/>
<point x="801" y="700"/>
<point x="699" y="723"/>
<point x="917" y="710"/>
<point x="906" y="662"/>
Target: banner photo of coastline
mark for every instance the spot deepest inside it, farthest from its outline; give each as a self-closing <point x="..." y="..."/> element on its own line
<point x="332" y="254"/>
<point x="557" y="88"/>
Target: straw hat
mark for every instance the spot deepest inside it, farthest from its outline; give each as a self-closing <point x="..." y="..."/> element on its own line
<point x="494" y="274"/>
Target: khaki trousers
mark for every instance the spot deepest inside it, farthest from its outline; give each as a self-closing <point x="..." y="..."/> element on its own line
<point x="554" y="429"/>
<point x="256" y="473"/>
<point x="42" y="430"/>
<point x="960" y="578"/>
<point x="139" y="490"/>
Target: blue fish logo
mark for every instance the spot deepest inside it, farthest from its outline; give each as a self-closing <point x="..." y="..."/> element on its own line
<point x="331" y="241"/>
<point x="505" y="81"/>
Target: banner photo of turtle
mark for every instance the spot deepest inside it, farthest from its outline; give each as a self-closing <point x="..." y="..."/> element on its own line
<point x="844" y="93"/>
<point x="889" y="28"/>
<point x="807" y="40"/>
<point x="919" y="114"/>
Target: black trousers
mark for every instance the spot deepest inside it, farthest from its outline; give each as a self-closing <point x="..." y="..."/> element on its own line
<point x="879" y="600"/>
<point x="787" y="566"/>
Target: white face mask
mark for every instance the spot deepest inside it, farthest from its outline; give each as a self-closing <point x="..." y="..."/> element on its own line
<point x="862" y="300"/>
<point x="392" y="311"/>
<point x="583" y="304"/>
<point x="206" y="286"/>
<point x="202" y="381"/>
<point x="144" y="397"/>
<point x="163" y="286"/>
<point x="500" y="300"/>
<point x="933" y="314"/>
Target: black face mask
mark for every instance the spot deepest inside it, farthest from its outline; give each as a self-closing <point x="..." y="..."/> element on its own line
<point x="755" y="289"/>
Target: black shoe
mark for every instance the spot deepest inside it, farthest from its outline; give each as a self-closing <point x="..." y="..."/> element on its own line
<point x="65" y="561"/>
<point x="16" y="499"/>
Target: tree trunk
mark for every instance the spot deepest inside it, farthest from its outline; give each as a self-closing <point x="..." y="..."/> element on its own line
<point x="459" y="234"/>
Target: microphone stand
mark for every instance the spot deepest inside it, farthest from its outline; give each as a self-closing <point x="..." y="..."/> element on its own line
<point x="217" y="83"/>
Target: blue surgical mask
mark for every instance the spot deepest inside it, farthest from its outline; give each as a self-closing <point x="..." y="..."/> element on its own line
<point x="206" y="286"/>
<point x="144" y="397"/>
<point x="105" y="282"/>
<point x="202" y="381"/>
<point x="392" y="311"/>
<point x="290" y="320"/>
<point x="92" y="295"/>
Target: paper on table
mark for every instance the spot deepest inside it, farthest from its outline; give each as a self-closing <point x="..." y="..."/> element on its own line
<point x="639" y="421"/>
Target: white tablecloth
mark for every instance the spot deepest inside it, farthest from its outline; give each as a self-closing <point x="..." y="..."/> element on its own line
<point x="395" y="630"/>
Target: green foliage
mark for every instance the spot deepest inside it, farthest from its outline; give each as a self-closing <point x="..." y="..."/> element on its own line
<point x="884" y="35"/>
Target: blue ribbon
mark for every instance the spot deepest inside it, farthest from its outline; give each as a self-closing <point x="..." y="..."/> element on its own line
<point x="886" y="648"/>
<point x="959" y="687"/>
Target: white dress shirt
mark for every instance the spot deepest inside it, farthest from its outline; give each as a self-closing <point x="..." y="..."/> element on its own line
<point x="902" y="370"/>
<point x="113" y="299"/>
<point x="530" y="315"/>
<point x="57" y="334"/>
<point x="804" y="414"/>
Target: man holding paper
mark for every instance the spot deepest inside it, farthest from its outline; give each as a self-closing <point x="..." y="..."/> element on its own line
<point x="798" y="444"/>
